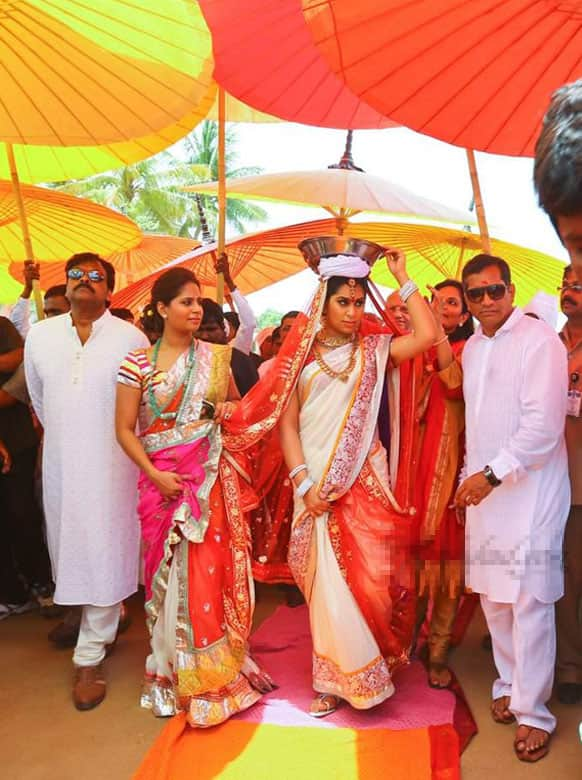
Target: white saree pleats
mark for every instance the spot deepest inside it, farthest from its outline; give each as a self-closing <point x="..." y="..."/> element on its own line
<point x="346" y="659"/>
<point x="158" y="692"/>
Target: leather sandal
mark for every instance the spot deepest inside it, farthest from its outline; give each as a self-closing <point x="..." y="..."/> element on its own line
<point x="500" y="710"/>
<point x="537" y="748"/>
<point x="324" y="705"/>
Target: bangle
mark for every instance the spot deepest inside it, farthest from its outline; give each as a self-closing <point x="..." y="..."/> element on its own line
<point x="441" y="340"/>
<point x="407" y="289"/>
<point x="305" y="486"/>
<point x="297" y="470"/>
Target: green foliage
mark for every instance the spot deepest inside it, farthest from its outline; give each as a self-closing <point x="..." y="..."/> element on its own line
<point x="150" y="192"/>
<point x="269" y="317"/>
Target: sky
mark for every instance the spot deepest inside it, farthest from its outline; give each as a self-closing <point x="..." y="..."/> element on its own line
<point x="424" y="165"/>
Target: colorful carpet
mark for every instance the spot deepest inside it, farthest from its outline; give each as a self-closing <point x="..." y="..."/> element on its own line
<point x="418" y="733"/>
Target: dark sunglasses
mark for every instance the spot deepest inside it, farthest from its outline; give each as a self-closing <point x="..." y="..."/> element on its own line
<point x="574" y="287"/>
<point x="494" y="291"/>
<point x="78" y="273"/>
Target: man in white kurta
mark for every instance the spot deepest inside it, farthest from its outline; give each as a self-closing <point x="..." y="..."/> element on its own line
<point x="89" y="484"/>
<point x="517" y="495"/>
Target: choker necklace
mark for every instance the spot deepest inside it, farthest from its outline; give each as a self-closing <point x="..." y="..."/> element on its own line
<point x="344" y="373"/>
<point x="333" y="341"/>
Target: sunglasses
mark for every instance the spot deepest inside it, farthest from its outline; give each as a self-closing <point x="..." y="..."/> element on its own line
<point x="78" y="273"/>
<point x="494" y="291"/>
<point x="574" y="287"/>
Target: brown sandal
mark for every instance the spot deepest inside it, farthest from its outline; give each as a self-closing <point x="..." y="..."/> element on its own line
<point x="500" y="710"/>
<point x="537" y="749"/>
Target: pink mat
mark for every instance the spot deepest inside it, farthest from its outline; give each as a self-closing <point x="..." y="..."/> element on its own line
<point x="283" y="646"/>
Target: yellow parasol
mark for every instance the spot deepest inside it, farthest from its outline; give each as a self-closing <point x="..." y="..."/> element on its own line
<point x="115" y="81"/>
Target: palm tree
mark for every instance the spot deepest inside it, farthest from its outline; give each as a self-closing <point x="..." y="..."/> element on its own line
<point x="150" y="191"/>
<point x="201" y="164"/>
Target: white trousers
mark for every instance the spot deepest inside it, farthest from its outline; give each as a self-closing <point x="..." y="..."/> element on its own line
<point x="523" y="636"/>
<point x="98" y="629"/>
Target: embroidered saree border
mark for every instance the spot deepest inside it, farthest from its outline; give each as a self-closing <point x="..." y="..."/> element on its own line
<point x="363" y="688"/>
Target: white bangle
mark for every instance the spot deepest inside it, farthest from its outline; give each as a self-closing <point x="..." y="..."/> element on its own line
<point x="305" y="486"/>
<point x="407" y="289"/>
<point x="297" y="470"/>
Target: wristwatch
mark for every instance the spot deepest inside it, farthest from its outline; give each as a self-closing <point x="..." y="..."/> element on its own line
<point x="490" y="477"/>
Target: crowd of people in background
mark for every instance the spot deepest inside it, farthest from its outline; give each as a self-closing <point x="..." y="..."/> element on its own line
<point x="390" y="470"/>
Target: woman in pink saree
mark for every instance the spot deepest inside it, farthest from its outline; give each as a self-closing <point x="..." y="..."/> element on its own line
<point x="193" y="499"/>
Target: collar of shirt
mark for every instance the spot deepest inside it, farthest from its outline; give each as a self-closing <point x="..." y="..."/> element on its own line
<point x="510" y="323"/>
<point x="97" y="325"/>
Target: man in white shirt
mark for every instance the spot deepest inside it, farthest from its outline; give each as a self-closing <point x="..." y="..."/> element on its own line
<point x="89" y="484"/>
<point x="516" y="496"/>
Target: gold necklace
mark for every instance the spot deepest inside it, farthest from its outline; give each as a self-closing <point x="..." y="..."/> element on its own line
<point x="332" y="341"/>
<point x="344" y="373"/>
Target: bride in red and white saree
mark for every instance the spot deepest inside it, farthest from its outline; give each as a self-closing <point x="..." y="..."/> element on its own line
<point x="349" y="547"/>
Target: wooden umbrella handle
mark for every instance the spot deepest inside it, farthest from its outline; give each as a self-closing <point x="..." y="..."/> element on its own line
<point x="24" y="226"/>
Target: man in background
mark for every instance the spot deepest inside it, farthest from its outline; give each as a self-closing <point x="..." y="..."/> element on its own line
<point x="569" y="607"/>
<point x="558" y="169"/>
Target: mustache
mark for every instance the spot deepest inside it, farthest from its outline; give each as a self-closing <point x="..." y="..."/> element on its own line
<point x="567" y="299"/>
<point x="84" y="284"/>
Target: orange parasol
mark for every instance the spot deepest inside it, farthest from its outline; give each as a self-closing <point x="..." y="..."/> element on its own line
<point x="153" y="252"/>
<point x="476" y="73"/>
<point x="433" y="253"/>
<point x="60" y="225"/>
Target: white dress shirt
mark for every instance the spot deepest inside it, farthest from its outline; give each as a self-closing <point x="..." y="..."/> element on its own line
<point x="243" y="341"/>
<point x="89" y="484"/>
<point x="515" y="389"/>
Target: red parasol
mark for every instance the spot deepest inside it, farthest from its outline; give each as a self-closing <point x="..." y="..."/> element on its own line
<point x="475" y="73"/>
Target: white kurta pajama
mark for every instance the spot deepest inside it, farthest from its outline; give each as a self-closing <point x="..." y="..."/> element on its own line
<point x="515" y="389"/>
<point x="89" y="484"/>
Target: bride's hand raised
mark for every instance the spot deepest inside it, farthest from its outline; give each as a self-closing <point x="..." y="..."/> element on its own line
<point x="314" y="503"/>
<point x="396" y="262"/>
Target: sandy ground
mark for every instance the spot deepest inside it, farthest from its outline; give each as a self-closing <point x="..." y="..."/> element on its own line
<point x="43" y="737"/>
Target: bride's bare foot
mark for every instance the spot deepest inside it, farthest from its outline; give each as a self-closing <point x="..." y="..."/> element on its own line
<point x="258" y="678"/>
<point x="439" y="675"/>
<point x="324" y="704"/>
<point x="261" y="681"/>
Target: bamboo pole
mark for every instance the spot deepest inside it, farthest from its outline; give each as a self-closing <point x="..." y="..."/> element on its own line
<point x="479" y="208"/>
<point x="221" y="188"/>
<point x="24" y="227"/>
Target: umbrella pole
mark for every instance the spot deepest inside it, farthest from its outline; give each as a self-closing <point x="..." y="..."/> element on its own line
<point x="221" y="188"/>
<point x="479" y="208"/>
<point x="24" y="227"/>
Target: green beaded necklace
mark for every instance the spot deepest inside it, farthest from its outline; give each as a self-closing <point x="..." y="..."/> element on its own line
<point x="158" y="413"/>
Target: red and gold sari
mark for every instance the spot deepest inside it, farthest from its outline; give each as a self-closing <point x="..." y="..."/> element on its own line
<point x="197" y="574"/>
<point x="352" y="564"/>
